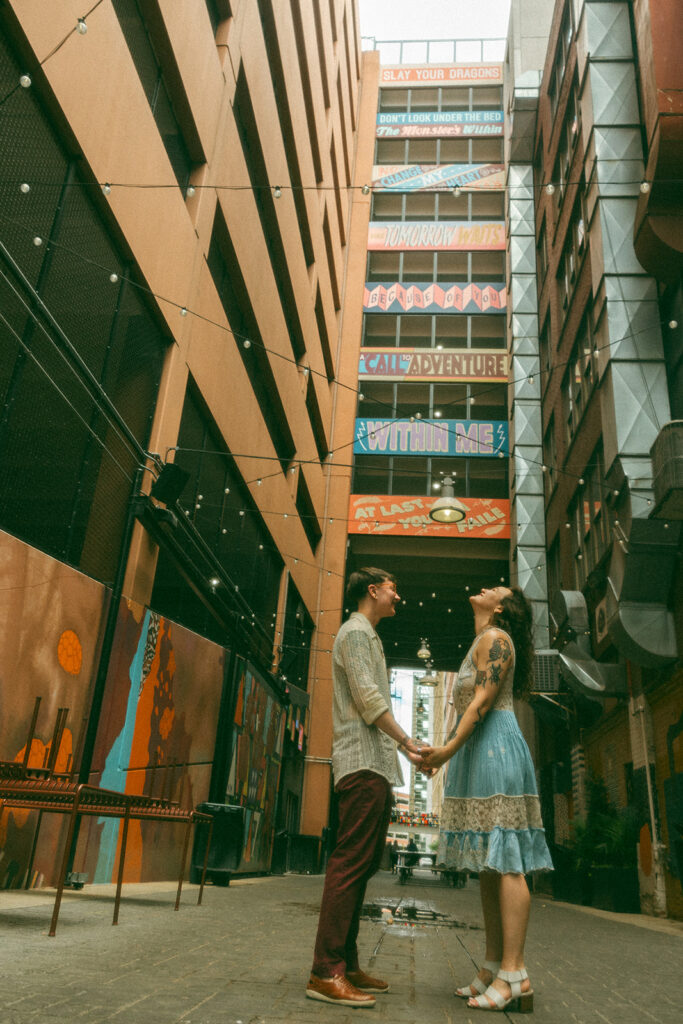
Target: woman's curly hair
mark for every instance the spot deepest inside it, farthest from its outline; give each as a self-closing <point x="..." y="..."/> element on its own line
<point x="516" y="619"/>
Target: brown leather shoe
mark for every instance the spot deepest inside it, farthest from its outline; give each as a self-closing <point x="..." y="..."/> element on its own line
<point x="338" y="990"/>
<point x="365" y="983"/>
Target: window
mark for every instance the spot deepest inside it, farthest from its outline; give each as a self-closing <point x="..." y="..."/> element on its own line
<point x="580" y="377"/>
<point x="224" y="513"/>
<point x="550" y="455"/>
<point x="66" y="474"/>
<point x="265" y="204"/>
<point x="232" y="291"/>
<point x="155" y="84"/>
<point x="589" y="519"/>
<point x="297" y="631"/>
<point x="307" y="514"/>
<point x="561" y="54"/>
<point x="542" y="254"/>
<point x="218" y="11"/>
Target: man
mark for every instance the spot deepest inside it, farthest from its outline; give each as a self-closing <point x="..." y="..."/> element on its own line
<point x="365" y="767"/>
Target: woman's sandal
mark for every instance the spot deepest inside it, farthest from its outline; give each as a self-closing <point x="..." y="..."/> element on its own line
<point x="478" y="987"/>
<point x="492" y="999"/>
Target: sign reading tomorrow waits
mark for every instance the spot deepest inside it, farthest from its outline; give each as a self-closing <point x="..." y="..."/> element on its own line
<point x="454" y="235"/>
<point x="418" y="364"/>
<point x="431" y="437"/>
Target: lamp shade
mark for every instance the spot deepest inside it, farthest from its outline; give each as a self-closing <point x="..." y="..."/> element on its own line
<point x="447" y="508"/>
<point x="424" y="651"/>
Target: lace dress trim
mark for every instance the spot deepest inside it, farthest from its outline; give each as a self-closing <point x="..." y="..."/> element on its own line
<point x="483" y="814"/>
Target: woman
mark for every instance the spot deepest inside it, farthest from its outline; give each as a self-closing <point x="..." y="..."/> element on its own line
<point x="491" y="820"/>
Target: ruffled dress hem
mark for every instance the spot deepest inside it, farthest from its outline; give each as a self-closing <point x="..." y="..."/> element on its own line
<point x="506" y="851"/>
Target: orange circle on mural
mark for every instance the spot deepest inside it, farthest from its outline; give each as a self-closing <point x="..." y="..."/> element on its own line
<point x="645" y="850"/>
<point x="70" y="652"/>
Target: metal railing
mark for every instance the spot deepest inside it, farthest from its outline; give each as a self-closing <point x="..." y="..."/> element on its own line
<point x="436" y="51"/>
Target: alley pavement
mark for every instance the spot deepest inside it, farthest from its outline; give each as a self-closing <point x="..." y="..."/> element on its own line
<point x="244" y="956"/>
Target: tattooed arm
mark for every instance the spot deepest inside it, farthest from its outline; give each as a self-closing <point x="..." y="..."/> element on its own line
<point x="492" y="660"/>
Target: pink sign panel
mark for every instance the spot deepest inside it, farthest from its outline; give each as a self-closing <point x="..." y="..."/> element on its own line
<point x="408" y="516"/>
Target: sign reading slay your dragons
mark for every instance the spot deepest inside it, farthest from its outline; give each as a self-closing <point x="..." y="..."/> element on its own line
<point x="431" y="437"/>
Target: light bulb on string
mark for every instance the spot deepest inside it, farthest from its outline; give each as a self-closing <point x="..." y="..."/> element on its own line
<point x="246" y="343"/>
<point x="25" y="187"/>
<point x="457" y="191"/>
<point x="189" y="191"/>
<point x="365" y="190"/>
<point x="645" y="187"/>
<point x="106" y="188"/>
<point x="183" y="311"/>
<point x="550" y="188"/>
<point x="81" y="27"/>
<point x="25" y="81"/>
<point x="113" y="277"/>
<point x="277" y="191"/>
<point x="37" y="240"/>
<point x="673" y="324"/>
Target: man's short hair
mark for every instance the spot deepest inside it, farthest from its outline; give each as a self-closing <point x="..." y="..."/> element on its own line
<point x="361" y="579"/>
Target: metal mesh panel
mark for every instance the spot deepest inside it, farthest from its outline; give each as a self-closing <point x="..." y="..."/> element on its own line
<point x="546" y="672"/>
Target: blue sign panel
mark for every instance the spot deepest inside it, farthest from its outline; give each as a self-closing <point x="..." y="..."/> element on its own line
<point x="431" y="437"/>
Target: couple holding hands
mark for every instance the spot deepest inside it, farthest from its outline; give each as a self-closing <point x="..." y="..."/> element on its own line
<point x="490" y="819"/>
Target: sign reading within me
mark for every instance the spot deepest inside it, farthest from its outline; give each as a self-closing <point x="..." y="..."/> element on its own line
<point x="431" y="437"/>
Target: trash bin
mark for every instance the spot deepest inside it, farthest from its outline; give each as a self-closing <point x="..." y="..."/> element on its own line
<point x="304" y="854"/>
<point x="227" y="840"/>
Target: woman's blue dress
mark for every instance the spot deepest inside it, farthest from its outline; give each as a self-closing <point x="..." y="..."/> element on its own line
<point x="491" y="815"/>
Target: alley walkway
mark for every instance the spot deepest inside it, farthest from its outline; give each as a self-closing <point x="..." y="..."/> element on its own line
<point x="244" y="957"/>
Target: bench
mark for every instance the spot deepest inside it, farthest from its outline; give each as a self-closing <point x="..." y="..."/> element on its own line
<point x="42" y="789"/>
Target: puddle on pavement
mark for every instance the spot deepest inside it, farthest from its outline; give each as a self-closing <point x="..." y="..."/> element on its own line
<point x="407" y="912"/>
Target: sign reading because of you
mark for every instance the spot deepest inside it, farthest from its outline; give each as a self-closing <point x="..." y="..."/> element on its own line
<point x="431" y="437"/>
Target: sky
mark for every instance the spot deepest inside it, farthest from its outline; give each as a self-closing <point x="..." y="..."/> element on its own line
<point x="434" y="19"/>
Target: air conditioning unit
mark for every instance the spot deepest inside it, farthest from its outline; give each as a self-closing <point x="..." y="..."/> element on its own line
<point x="546" y="671"/>
<point x="600" y="621"/>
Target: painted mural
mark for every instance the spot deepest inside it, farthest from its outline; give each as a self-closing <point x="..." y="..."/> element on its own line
<point x="256" y="762"/>
<point x="156" y="736"/>
<point x="50" y="622"/>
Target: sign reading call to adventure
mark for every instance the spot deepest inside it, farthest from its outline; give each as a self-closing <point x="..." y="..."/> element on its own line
<point x="408" y="516"/>
<point x="432" y="177"/>
<point x="439" y="124"/>
<point x="416" y="364"/>
<point x="394" y="297"/>
<point x="453" y="235"/>
<point x="431" y="437"/>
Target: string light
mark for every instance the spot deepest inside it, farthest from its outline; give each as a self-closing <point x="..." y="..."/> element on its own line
<point x="113" y="278"/>
<point x="25" y="81"/>
<point x="645" y="187"/>
<point x="277" y="191"/>
<point x="457" y="191"/>
<point x="25" y="187"/>
<point x="183" y="311"/>
<point x="246" y="343"/>
<point x="106" y="188"/>
<point x="673" y="324"/>
<point x="550" y="188"/>
<point x="81" y="27"/>
<point x="189" y="191"/>
<point x="365" y="190"/>
<point x="37" y="240"/>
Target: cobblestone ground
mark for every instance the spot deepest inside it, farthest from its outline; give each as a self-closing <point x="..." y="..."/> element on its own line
<point x="244" y="956"/>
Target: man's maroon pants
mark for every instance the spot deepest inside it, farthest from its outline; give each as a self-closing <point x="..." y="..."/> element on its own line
<point x="365" y="801"/>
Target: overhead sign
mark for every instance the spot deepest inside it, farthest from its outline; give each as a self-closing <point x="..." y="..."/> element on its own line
<point x="415" y="364"/>
<point x="455" y="235"/>
<point x="431" y="177"/>
<point x="431" y="437"/>
<point x="408" y="516"/>
<point x="439" y="123"/>
<point x="394" y="297"/>
<point x="441" y="74"/>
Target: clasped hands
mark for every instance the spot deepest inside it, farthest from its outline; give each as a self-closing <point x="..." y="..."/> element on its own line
<point x="425" y="758"/>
